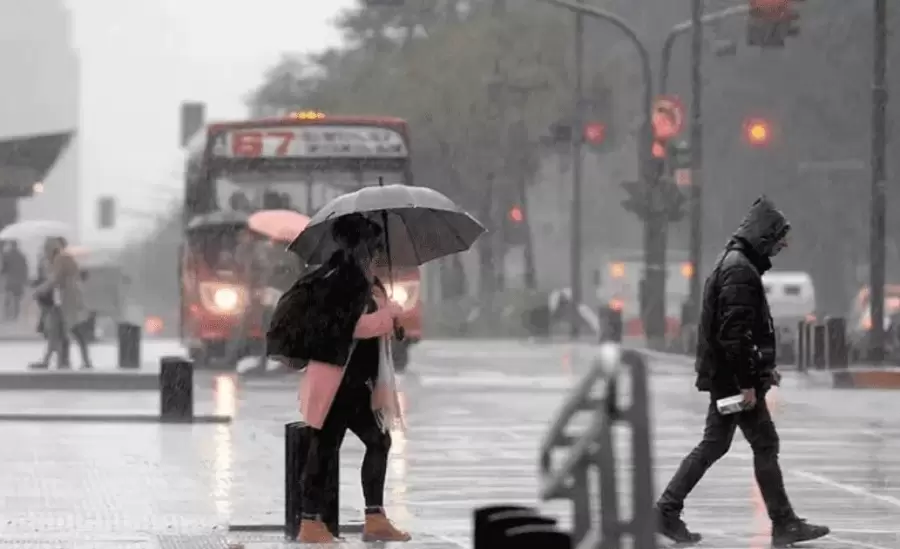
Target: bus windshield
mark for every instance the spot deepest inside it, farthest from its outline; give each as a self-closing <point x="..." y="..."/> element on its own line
<point x="303" y="191"/>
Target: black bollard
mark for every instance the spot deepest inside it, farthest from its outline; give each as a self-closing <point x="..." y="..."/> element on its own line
<point x="801" y="343"/>
<point x="176" y="389"/>
<point x="480" y="521"/>
<point x="611" y="327"/>
<point x="297" y="438"/>
<point x="837" y="354"/>
<point x="499" y="523"/>
<point x="129" y="337"/>
<point x="818" y="346"/>
<point x="535" y="536"/>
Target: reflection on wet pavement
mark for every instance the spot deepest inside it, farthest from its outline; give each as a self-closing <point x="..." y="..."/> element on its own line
<point x="475" y="414"/>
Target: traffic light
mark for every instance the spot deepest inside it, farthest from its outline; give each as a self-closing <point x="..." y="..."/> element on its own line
<point x="516" y="215"/>
<point x="595" y="133"/>
<point x="514" y="226"/>
<point x="771" y="22"/>
<point x="757" y="132"/>
<point x="106" y="212"/>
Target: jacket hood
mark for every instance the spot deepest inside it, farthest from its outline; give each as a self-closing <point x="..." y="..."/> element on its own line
<point x="763" y="226"/>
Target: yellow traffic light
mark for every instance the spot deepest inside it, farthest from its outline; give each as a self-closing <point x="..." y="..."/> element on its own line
<point x="758" y="132"/>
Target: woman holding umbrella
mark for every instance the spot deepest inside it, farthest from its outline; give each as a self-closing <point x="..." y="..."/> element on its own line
<point x="339" y="314"/>
<point x="335" y="316"/>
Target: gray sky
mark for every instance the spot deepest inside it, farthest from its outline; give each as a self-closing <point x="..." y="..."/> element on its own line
<point x="141" y="59"/>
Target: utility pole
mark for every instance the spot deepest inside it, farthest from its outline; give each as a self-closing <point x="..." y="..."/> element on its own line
<point x="577" y="174"/>
<point x="879" y="150"/>
<point x="696" y="189"/>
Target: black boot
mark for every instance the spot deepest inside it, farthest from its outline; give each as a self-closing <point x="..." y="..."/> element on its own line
<point x="796" y="530"/>
<point x="670" y="525"/>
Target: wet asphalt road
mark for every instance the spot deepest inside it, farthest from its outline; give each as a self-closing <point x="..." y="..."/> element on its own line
<point x="475" y="413"/>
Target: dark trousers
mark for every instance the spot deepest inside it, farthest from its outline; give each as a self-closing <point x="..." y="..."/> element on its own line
<point x="13" y="302"/>
<point x="759" y="430"/>
<point x="352" y="409"/>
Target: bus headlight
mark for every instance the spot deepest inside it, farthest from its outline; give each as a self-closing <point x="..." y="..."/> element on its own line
<point x="399" y="295"/>
<point x="226" y="299"/>
<point x="404" y="294"/>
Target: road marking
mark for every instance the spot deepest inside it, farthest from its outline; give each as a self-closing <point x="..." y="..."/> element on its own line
<point x="849" y="488"/>
<point x="855" y="543"/>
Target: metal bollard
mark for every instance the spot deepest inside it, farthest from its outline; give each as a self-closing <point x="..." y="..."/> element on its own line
<point x="176" y="389"/>
<point x="480" y="518"/>
<point x="800" y="346"/>
<point x="499" y="523"/>
<point x="837" y="353"/>
<point x="809" y="355"/>
<point x="818" y="346"/>
<point x="297" y="437"/>
<point x="611" y="326"/>
<point x="535" y="536"/>
<point x="129" y="338"/>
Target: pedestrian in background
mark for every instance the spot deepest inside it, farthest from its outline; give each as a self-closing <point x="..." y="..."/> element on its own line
<point x="736" y="356"/>
<point x="64" y="279"/>
<point x="15" y="277"/>
<point x="337" y="318"/>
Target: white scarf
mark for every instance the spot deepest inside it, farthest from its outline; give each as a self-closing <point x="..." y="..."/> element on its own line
<point x="390" y="415"/>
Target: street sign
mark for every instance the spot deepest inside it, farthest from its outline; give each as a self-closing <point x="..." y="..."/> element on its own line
<point x="668" y="117"/>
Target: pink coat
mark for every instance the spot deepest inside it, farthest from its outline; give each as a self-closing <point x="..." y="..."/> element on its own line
<point x="320" y="383"/>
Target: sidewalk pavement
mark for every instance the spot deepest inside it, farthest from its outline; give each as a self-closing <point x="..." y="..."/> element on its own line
<point x="473" y="432"/>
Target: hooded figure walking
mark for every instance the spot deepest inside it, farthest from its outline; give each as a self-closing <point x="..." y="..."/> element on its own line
<point x="336" y="319"/>
<point x="736" y="356"/>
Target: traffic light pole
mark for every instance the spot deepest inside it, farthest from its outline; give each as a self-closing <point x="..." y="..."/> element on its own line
<point x="577" y="176"/>
<point x="879" y="151"/>
<point x="696" y="201"/>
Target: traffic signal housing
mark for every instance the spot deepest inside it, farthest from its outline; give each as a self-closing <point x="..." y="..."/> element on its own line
<point x="757" y="132"/>
<point x="771" y="22"/>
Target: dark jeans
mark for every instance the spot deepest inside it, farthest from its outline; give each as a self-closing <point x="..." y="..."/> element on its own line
<point x="759" y="430"/>
<point x="352" y="409"/>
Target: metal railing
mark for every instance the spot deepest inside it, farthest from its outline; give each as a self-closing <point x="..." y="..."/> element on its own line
<point x="599" y="525"/>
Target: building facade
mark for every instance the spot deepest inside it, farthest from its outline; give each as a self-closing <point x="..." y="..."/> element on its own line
<point x="39" y="93"/>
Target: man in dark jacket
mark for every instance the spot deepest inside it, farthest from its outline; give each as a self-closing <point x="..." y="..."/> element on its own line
<point x="736" y="356"/>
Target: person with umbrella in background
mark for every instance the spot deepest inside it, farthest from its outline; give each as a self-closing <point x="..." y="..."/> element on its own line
<point x="405" y="227"/>
<point x="15" y="277"/>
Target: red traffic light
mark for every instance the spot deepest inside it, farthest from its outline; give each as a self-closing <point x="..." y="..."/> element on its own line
<point x="516" y="215"/>
<point x="758" y="132"/>
<point x="595" y="132"/>
<point x="769" y="9"/>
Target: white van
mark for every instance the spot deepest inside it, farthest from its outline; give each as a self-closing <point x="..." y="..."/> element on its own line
<point x="792" y="298"/>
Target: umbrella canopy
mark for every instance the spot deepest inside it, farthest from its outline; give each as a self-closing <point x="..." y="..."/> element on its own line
<point x="35" y="230"/>
<point x="27" y="160"/>
<point x="219" y="218"/>
<point x="421" y="224"/>
<point x="280" y="225"/>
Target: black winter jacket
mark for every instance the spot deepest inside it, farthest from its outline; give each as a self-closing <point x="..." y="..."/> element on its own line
<point x="736" y="339"/>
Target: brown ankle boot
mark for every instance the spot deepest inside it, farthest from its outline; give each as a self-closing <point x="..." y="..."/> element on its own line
<point x="314" y="531"/>
<point x="379" y="528"/>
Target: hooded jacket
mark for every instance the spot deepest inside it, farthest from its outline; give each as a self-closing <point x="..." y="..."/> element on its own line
<point x="736" y="337"/>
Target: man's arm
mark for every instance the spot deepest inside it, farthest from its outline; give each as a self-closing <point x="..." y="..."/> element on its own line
<point x="738" y="303"/>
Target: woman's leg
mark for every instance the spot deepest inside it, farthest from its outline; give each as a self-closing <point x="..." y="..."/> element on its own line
<point x="324" y="448"/>
<point x="80" y="339"/>
<point x="375" y="462"/>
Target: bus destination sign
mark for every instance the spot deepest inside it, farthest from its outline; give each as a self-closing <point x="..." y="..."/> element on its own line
<point x="310" y="142"/>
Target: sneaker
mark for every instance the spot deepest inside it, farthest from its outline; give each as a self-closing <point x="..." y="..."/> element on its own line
<point x="796" y="530"/>
<point x="671" y="526"/>
<point x="378" y="528"/>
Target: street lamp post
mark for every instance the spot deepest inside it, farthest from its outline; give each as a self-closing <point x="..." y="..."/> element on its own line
<point x="654" y="228"/>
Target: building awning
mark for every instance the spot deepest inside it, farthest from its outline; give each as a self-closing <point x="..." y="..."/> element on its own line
<point x="27" y="160"/>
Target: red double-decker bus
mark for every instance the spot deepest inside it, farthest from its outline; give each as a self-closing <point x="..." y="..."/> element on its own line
<point x="297" y="162"/>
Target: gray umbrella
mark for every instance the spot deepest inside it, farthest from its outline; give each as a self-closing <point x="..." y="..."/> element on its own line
<point x="420" y="224"/>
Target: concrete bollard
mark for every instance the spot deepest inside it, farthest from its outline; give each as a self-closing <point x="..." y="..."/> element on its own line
<point x="837" y="354"/>
<point x="176" y="390"/>
<point x="129" y="339"/>
<point x="297" y="437"/>
<point x="480" y="516"/>
<point x="801" y="344"/>
<point x="535" y="536"/>
<point x="611" y="327"/>
<point x="818" y="345"/>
